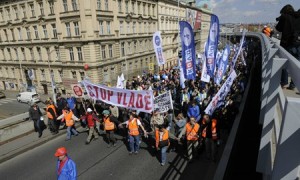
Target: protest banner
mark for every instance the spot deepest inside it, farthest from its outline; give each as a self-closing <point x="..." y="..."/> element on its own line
<point x="137" y="100"/>
<point x="163" y="102"/>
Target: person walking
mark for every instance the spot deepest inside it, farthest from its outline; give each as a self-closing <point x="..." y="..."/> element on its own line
<point x="70" y="119"/>
<point x="191" y="130"/>
<point x="66" y="167"/>
<point x="36" y="116"/>
<point x="91" y="118"/>
<point x="162" y="143"/>
<point x="133" y="125"/>
<point x="109" y="128"/>
<point x="209" y="136"/>
<point x="52" y="115"/>
<point x="71" y="101"/>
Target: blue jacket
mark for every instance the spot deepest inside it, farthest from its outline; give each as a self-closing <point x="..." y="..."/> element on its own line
<point x="71" y="102"/>
<point x="194" y="111"/>
<point x="68" y="171"/>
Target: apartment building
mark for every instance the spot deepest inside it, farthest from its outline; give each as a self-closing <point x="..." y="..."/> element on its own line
<point x="54" y="39"/>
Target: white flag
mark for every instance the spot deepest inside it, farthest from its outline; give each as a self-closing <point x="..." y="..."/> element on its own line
<point x="157" y="44"/>
<point x="31" y="74"/>
<point x="120" y="83"/>
<point x="204" y="76"/>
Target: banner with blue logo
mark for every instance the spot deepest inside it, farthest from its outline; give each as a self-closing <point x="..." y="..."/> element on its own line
<point x="211" y="47"/>
<point x="157" y="45"/>
<point x="223" y="65"/>
<point x="188" y="50"/>
<point x="239" y="50"/>
<point x="221" y="94"/>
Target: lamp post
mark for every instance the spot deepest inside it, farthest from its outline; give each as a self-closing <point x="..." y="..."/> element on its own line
<point x="52" y="77"/>
<point x="22" y="83"/>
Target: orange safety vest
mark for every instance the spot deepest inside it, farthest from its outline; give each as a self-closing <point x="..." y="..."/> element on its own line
<point x="165" y="136"/>
<point x="192" y="132"/>
<point x="213" y="129"/>
<point x="49" y="115"/>
<point x="133" y="127"/>
<point x="68" y="118"/>
<point x="108" y="125"/>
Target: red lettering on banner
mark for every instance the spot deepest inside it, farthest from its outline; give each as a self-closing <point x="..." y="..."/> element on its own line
<point x="90" y="89"/>
<point x="139" y="101"/>
<point x="109" y="94"/>
<point x="147" y="102"/>
<point x="119" y="97"/>
<point x="131" y="100"/>
<point x="96" y="90"/>
<point x="124" y="100"/>
<point x="103" y="93"/>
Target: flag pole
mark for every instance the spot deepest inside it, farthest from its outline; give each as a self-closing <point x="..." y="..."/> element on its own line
<point x="178" y="61"/>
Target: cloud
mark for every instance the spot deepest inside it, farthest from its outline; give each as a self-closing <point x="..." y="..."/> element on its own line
<point x="252" y="2"/>
<point x="251" y="13"/>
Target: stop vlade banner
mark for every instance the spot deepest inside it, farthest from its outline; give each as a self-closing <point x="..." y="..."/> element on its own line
<point x="77" y="90"/>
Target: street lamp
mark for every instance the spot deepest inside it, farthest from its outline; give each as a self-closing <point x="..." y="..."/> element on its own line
<point x="52" y="77"/>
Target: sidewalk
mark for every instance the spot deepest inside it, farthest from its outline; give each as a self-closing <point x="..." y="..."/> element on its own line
<point x="30" y="140"/>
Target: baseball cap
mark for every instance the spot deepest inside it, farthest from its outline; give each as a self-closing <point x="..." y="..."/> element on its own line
<point x="89" y="110"/>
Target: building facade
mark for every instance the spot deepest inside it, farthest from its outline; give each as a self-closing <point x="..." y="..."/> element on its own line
<point x="55" y="39"/>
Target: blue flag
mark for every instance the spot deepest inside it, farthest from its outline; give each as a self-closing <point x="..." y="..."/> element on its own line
<point x="211" y="47"/>
<point x="188" y="50"/>
<point x="223" y="65"/>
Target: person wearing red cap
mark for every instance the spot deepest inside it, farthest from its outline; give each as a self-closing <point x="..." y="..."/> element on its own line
<point x="66" y="167"/>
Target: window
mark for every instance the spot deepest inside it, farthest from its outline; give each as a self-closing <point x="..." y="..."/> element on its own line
<point x="57" y="53"/>
<point x="13" y="34"/>
<point x="45" y="31"/>
<point x="140" y="27"/>
<point x="74" y="76"/>
<point x="120" y="5"/>
<point x="32" y="10"/>
<point x="42" y="8"/>
<point x="36" y="32"/>
<point x="123" y="49"/>
<point x="101" y="28"/>
<point x="144" y="9"/>
<point x="16" y="53"/>
<point x="8" y="14"/>
<point x="108" y="27"/>
<point x="1" y="15"/>
<point x="65" y="4"/>
<point x="28" y="33"/>
<point x="133" y="27"/>
<point x="48" y="54"/>
<point x="139" y="8"/>
<point x="61" y="73"/>
<point x="71" y="52"/>
<point x="149" y="10"/>
<point x="51" y="7"/>
<point x="9" y="53"/>
<point x="126" y="7"/>
<point x="129" y="48"/>
<point x="121" y="27"/>
<point x="76" y="27"/>
<point x="23" y="8"/>
<point x="31" y="54"/>
<point x="5" y="33"/>
<point x="145" y="27"/>
<point x="110" y="51"/>
<point x="82" y="75"/>
<point x="133" y="7"/>
<point x="20" y="33"/>
<point x="74" y="5"/>
<point x="43" y="78"/>
<point x="99" y="4"/>
<point x="79" y="51"/>
<point x="54" y="30"/>
<point x="103" y="52"/>
<point x="23" y="53"/>
<point x="16" y="13"/>
<point x="128" y="28"/>
<point x="38" y="49"/>
<point x="106" y="5"/>
<point x="134" y="46"/>
<point x="68" y="29"/>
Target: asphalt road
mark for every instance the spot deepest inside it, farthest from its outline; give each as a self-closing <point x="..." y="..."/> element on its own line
<point x="96" y="161"/>
<point x="9" y="106"/>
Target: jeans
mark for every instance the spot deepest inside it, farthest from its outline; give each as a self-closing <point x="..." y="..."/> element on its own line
<point x="211" y="148"/>
<point x="163" y="151"/>
<point x="110" y="135"/>
<point x="71" y="130"/>
<point x="134" y="143"/>
<point x="192" y="147"/>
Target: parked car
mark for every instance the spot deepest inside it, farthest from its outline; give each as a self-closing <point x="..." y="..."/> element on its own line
<point x="28" y="97"/>
<point x="2" y="95"/>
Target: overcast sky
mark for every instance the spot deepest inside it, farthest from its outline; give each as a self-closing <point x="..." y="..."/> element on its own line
<point x="241" y="11"/>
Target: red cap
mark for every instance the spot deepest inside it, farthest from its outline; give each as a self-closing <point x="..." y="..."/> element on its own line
<point x="60" y="151"/>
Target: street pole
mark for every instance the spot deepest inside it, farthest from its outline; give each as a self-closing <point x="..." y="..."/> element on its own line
<point x="52" y="79"/>
<point x="22" y="83"/>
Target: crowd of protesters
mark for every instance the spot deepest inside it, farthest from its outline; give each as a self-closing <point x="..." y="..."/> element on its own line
<point x="186" y="125"/>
